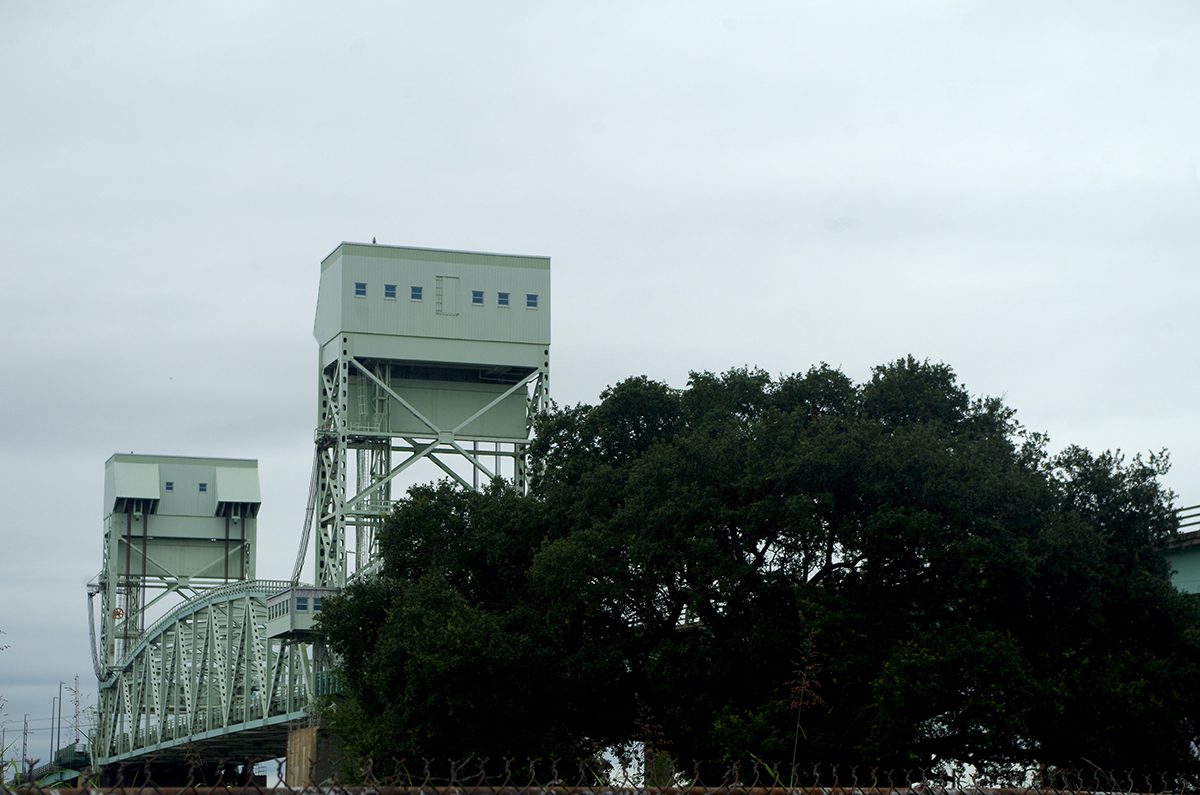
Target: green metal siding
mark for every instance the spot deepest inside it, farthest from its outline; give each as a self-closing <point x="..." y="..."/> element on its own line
<point x="341" y="312"/>
<point x="1186" y="565"/>
<point x="183" y="536"/>
<point x="446" y="404"/>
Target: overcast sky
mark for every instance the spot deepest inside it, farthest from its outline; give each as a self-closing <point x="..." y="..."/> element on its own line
<point x="1011" y="188"/>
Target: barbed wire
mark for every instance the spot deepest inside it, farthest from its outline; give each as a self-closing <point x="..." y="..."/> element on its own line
<point x="478" y="776"/>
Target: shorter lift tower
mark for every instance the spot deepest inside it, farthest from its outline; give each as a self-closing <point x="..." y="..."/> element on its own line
<point x="174" y="526"/>
<point x="427" y="357"/>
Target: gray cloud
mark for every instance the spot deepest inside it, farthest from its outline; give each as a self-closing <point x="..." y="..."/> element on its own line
<point x="1012" y="190"/>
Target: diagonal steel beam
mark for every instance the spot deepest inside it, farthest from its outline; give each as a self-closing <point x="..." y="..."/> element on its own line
<point x="379" y="484"/>
<point x="474" y="458"/>
<point x="365" y="371"/>
<point x="449" y="471"/>
<point x="238" y="547"/>
<point x="519" y="385"/>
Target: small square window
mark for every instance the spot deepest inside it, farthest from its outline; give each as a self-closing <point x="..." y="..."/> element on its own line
<point x="169" y="486"/>
<point x="414" y="293"/>
<point x="316" y="604"/>
<point x="301" y="604"/>
<point x="502" y="299"/>
<point x="531" y="300"/>
<point x="389" y="292"/>
<point x="477" y="297"/>
<point x="203" y="487"/>
<point x="360" y="289"/>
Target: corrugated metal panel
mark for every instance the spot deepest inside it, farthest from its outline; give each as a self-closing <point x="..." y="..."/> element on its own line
<point x="375" y="314"/>
<point x="394" y="314"/>
<point x="446" y="295"/>
<point x="1185" y="565"/>
<point x="427" y="349"/>
<point x="328" y="318"/>
<point x="447" y="405"/>
<point x="137" y="481"/>
<point x="237" y="485"/>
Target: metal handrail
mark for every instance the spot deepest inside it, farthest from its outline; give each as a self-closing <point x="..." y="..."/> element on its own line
<point x="1188" y="516"/>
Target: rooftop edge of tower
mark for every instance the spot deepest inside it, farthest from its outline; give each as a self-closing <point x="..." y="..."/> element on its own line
<point x="435" y="255"/>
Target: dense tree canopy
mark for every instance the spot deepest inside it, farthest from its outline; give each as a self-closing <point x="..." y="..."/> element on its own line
<point x="800" y="569"/>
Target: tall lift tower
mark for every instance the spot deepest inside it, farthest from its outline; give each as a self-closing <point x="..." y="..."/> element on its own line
<point x="426" y="357"/>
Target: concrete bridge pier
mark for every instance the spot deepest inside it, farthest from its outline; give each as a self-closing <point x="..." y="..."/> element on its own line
<point x="311" y="756"/>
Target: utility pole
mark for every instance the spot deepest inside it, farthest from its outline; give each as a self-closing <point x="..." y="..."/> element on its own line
<point x="58" y="727"/>
<point x="25" y="747"/>
<point x="76" y="692"/>
<point x="53" y="701"/>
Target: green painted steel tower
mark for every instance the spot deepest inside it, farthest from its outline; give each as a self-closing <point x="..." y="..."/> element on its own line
<point x="176" y="529"/>
<point x="426" y="357"/>
<point x="174" y="526"/>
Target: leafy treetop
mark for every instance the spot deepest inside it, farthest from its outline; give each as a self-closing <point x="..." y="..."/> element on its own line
<point x="800" y="569"/>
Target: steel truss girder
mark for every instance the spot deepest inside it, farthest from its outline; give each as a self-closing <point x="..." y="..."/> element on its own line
<point x="204" y="670"/>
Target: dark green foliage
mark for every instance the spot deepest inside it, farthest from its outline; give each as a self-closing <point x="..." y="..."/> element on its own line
<point x="447" y="654"/>
<point x="800" y="570"/>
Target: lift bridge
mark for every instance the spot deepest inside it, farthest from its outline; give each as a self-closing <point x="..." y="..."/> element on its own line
<point x="427" y="358"/>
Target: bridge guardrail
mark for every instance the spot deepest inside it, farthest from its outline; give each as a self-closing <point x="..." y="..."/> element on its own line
<point x="1188" y="516"/>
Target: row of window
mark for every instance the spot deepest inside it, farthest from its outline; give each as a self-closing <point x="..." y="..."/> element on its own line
<point x="283" y="608"/>
<point x="417" y="293"/>
<point x="169" y="485"/>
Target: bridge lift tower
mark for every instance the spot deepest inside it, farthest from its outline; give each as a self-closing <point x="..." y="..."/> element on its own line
<point x="426" y="357"/>
<point x="430" y="362"/>
<point x="174" y="527"/>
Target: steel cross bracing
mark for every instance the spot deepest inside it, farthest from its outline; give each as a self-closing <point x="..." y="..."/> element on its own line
<point x="365" y="430"/>
<point x="123" y="602"/>
<point x="204" y="671"/>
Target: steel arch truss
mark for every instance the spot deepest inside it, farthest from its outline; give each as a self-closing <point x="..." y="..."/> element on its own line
<point x="204" y="671"/>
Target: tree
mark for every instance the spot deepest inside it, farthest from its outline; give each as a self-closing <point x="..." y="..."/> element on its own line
<point x="802" y="569"/>
<point x="445" y="654"/>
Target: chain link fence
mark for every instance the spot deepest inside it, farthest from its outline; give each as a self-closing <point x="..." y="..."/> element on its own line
<point x="608" y="777"/>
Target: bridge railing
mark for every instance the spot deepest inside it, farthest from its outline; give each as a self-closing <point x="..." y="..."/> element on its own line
<point x="1189" y="517"/>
